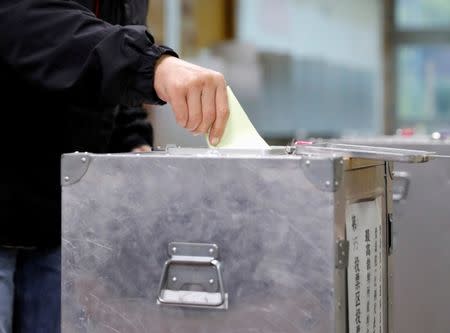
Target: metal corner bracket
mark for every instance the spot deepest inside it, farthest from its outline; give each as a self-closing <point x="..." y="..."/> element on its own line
<point x="325" y="174"/>
<point x="74" y="167"/>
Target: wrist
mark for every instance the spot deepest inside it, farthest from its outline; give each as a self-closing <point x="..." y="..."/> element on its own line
<point x="160" y="74"/>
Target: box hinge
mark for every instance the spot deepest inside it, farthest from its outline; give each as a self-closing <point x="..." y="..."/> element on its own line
<point x="342" y="247"/>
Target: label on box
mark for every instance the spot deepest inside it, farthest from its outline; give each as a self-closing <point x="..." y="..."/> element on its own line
<point x="365" y="267"/>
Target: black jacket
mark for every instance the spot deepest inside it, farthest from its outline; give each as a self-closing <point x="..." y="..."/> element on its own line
<point x="125" y="127"/>
<point x="62" y="71"/>
<point x="130" y="127"/>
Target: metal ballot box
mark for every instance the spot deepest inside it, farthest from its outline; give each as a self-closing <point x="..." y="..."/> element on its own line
<point x="422" y="235"/>
<point x="294" y="239"/>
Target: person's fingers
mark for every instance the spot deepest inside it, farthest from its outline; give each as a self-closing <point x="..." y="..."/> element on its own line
<point x="180" y="106"/>
<point x="195" y="107"/>
<point x="142" y="149"/>
<point x="197" y="95"/>
<point x="222" y="113"/>
<point x="208" y="100"/>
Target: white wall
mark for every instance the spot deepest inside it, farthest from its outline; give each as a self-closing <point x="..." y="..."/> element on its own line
<point x="343" y="32"/>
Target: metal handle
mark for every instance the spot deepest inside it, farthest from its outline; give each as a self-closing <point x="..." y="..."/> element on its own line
<point x="193" y="267"/>
<point x="400" y="185"/>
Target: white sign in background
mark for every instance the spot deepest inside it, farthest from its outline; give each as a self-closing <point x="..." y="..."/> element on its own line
<point x="365" y="267"/>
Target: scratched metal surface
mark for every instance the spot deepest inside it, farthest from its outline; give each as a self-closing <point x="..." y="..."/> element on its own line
<point x="274" y="229"/>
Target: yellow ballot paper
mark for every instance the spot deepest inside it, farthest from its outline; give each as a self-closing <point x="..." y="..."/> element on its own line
<point x="239" y="131"/>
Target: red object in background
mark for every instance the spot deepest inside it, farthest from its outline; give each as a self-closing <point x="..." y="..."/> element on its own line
<point x="406" y="131"/>
<point x="97" y="8"/>
<point x="301" y="143"/>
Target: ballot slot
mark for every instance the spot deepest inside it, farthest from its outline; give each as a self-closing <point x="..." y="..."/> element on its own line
<point x="368" y="152"/>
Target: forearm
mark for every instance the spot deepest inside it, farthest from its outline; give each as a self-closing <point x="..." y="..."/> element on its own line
<point x="61" y="47"/>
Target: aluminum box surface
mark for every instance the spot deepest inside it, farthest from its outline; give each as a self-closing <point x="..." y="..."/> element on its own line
<point x="422" y="236"/>
<point x="277" y="220"/>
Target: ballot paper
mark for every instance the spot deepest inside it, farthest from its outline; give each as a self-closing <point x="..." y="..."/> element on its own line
<point x="239" y="132"/>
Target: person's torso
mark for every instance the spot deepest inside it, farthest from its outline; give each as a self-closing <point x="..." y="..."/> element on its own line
<point x="36" y="127"/>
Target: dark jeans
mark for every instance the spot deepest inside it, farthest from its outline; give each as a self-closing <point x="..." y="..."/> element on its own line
<point x="30" y="291"/>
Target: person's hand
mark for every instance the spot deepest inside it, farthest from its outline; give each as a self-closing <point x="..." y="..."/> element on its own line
<point x="197" y="95"/>
<point x="142" y="149"/>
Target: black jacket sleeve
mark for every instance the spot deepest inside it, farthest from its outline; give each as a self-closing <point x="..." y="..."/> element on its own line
<point x="60" y="46"/>
<point x="131" y="129"/>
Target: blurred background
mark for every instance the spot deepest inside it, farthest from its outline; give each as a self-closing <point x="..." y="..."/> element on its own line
<point x="316" y="68"/>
